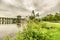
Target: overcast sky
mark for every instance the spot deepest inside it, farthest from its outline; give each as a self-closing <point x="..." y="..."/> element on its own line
<point x="12" y="8"/>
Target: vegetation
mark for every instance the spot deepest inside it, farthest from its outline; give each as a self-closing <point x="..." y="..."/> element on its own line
<point x="7" y="38"/>
<point x="37" y="29"/>
<point x="52" y="18"/>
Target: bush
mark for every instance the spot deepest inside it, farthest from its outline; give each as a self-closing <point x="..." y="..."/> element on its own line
<point x="35" y="31"/>
<point x="7" y="38"/>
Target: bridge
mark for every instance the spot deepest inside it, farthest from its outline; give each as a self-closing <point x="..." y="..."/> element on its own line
<point x="6" y="20"/>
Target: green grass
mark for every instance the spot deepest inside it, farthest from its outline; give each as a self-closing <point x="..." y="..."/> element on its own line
<point x="57" y="31"/>
<point x="39" y="30"/>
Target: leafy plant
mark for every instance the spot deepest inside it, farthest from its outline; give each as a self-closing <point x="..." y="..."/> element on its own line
<point x="7" y="38"/>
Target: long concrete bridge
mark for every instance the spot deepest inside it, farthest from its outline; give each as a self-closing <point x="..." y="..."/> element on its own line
<point x="6" y="20"/>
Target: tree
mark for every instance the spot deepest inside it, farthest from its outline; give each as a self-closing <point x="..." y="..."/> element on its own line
<point x="48" y="18"/>
<point x="33" y="13"/>
<point x="32" y="16"/>
<point x="57" y="16"/>
<point x="37" y="15"/>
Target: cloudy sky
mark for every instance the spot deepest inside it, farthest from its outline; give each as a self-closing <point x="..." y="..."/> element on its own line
<point x="12" y="8"/>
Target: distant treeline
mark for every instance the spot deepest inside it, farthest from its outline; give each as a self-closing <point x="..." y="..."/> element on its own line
<point x="49" y="17"/>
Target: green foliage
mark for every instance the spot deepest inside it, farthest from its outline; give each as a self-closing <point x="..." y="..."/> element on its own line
<point x="7" y="38"/>
<point x="18" y="36"/>
<point x="34" y="31"/>
<point x="31" y="17"/>
<point x="37" y="15"/>
<point x="33" y="13"/>
<point x="52" y="18"/>
<point x="57" y="17"/>
<point x="48" y="18"/>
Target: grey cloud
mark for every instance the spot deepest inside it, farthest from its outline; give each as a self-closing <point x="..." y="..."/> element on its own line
<point x="24" y="7"/>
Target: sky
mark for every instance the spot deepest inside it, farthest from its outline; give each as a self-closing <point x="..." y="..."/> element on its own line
<point x="12" y="8"/>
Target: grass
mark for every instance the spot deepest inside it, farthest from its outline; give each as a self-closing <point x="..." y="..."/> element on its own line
<point x="57" y="26"/>
<point x="36" y="28"/>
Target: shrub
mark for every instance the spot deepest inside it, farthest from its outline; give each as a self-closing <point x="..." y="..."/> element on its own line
<point x="34" y="31"/>
<point x="7" y="38"/>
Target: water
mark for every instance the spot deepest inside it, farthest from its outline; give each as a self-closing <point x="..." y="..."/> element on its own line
<point x="8" y="29"/>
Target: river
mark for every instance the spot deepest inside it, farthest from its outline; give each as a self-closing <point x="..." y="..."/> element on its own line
<point x="8" y="29"/>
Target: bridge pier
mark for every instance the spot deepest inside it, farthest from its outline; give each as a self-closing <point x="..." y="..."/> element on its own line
<point x="7" y="20"/>
<point x="4" y="20"/>
<point x="0" y="20"/>
<point x="11" y="20"/>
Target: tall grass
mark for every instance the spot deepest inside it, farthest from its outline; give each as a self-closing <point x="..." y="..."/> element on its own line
<point x="34" y="31"/>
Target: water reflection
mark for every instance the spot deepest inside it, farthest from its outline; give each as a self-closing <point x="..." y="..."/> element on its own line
<point x="9" y="29"/>
<point x="18" y="25"/>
